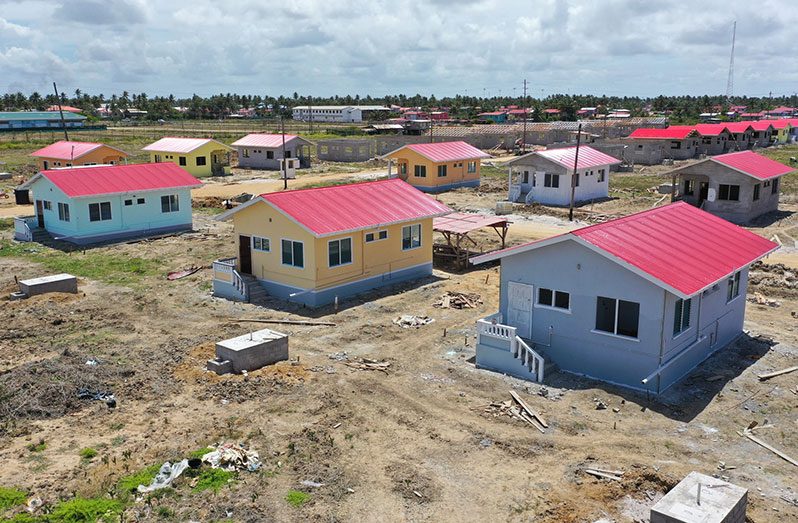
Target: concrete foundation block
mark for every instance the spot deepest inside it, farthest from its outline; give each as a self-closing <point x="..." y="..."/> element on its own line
<point x="719" y="502"/>
<point x="220" y="366"/>
<point x="45" y="284"/>
<point x="251" y="351"/>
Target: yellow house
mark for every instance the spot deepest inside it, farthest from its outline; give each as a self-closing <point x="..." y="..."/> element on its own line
<point x="313" y="246"/>
<point x="437" y="167"/>
<point x="68" y="154"/>
<point x="781" y="131"/>
<point x="198" y="156"/>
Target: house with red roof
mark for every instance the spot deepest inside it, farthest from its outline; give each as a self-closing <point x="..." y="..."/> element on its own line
<point x="199" y="156"/>
<point x="265" y="151"/>
<point x="437" y="167"/>
<point x="739" y="187"/>
<point x="316" y="246"/>
<point x="638" y="301"/>
<point x="650" y="146"/>
<point x="92" y="204"/>
<point x="742" y="135"/>
<point x="782" y="130"/>
<point x="68" y="154"/>
<point x="545" y="177"/>
<point x="65" y="108"/>
<point x="715" y="138"/>
<point x="762" y="135"/>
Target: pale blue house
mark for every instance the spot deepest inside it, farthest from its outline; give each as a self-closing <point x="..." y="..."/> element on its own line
<point x="104" y="203"/>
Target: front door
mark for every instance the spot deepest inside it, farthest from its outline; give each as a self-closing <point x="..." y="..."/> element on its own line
<point x="703" y="191"/>
<point x="519" y="308"/>
<point x="40" y="213"/>
<point x="244" y="254"/>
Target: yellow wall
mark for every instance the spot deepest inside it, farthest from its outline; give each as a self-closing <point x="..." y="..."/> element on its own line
<point x="98" y="156"/>
<point x="782" y="135"/>
<point x="455" y="171"/>
<point x="191" y="166"/>
<point x="368" y="259"/>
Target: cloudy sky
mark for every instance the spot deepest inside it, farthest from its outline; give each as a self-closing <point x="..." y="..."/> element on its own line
<point x="377" y="47"/>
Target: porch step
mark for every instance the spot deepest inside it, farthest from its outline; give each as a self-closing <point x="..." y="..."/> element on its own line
<point x="255" y="291"/>
<point x="45" y="238"/>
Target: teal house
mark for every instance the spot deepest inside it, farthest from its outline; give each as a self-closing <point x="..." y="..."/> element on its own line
<point x="33" y="120"/>
<point x="94" y="204"/>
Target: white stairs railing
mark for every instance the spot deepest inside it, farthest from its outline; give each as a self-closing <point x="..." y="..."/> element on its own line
<point x="514" y="193"/>
<point x="530" y="198"/>
<point x="240" y="285"/>
<point x="531" y="360"/>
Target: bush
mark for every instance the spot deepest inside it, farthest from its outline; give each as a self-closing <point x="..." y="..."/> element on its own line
<point x="144" y="476"/>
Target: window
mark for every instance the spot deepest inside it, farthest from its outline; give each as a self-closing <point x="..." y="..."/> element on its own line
<point x="576" y="180"/>
<point x="552" y="298"/>
<point x="293" y="253"/>
<point x="689" y="187"/>
<point x="261" y="244"/>
<point x="128" y="203"/>
<point x="63" y="212"/>
<point x="382" y="235"/>
<point x="729" y="192"/>
<point x="403" y="168"/>
<point x="733" y="289"/>
<point x="411" y="236"/>
<point x="472" y="167"/>
<point x="245" y="153"/>
<point x="551" y="180"/>
<point x="369" y="237"/>
<point x="676" y="145"/>
<point x="48" y="205"/>
<point x="774" y="189"/>
<point x="441" y="171"/>
<point x="200" y="160"/>
<point x="181" y="160"/>
<point x="602" y="173"/>
<point x="339" y="252"/>
<point x="99" y="212"/>
<point x="140" y="201"/>
<point x="681" y="316"/>
<point x="169" y="203"/>
<point x="270" y="155"/>
<point x="617" y="317"/>
<point x="420" y="171"/>
<point x="756" y="192"/>
<point x="766" y="183"/>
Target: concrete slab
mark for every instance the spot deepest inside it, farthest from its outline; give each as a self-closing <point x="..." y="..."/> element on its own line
<point x="250" y="351"/>
<point x="719" y="502"/>
<point x="45" y="284"/>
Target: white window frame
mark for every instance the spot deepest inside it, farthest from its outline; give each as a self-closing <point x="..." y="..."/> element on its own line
<point x="376" y="236"/>
<point x="472" y="167"/>
<point x="258" y="244"/>
<point x="553" y="307"/>
<point x="420" y="236"/>
<point x="615" y="334"/>
<point x="63" y="212"/>
<point x="351" y="252"/>
<point x="173" y="203"/>
<point x="302" y="267"/>
<point x="684" y="321"/>
<point x="733" y="287"/>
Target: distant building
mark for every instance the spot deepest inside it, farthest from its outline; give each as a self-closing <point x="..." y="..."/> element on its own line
<point x="715" y="138"/>
<point x="199" y="156"/>
<point x="438" y="167"/>
<point x="65" y="108"/>
<point x="36" y="120"/>
<point x="68" y="154"/>
<point x="782" y="112"/>
<point x="762" y="135"/>
<point x="338" y="113"/>
<point x="265" y="151"/>
<point x="493" y="116"/>
<point x="651" y="146"/>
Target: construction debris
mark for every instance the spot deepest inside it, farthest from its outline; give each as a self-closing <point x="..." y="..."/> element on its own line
<point x="509" y="408"/>
<point x="182" y="273"/>
<point x="232" y="457"/>
<point x="458" y="300"/>
<point x="748" y="433"/>
<point x="763" y="377"/>
<point x="614" y="475"/>
<point x="286" y="322"/>
<point x="528" y="410"/>
<point x="407" y="320"/>
<point x="760" y="299"/>
<point x="106" y="396"/>
<point x="165" y="477"/>
<point x="368" y="364"/>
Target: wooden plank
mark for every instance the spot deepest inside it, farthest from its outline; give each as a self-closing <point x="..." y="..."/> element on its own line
<point x="526" y="407"/>
<point x="285" y="322"/>
<point x="605" y="471"/>
<point x="532" y="421"/>
<point x="774" y="450"/>
<point x="600" y="474"/>
<point x="763" y="377"/>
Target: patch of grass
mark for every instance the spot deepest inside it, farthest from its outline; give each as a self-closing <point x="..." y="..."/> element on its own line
<point x="297" y="498"/>
<point x="11" y="497"/>
<point x="213" y="479"/>
<point x="491" y="171"/>
<point x="327" y="183"/>
<point x="199" y="452"/>
<point x="144" y="476"/>
<point x="6" y="224"/>
<point x="83" y="510"/>
<point x="87" y="454"/>
<point x="37" y="447"/>
<point x="635" y="182"/>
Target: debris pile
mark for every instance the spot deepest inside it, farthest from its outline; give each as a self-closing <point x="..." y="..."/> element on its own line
<point x="614" y="475"/>
<point x="516" y="408"/>
<point x="98" y="395"/>
<point x="407" y="321"/>
<point x="369" y="364"/>
<point x="458" y="300"/>
<point x="167" y="474"/>
<point x="761" y="299"/>
<point x="232" y="457"/>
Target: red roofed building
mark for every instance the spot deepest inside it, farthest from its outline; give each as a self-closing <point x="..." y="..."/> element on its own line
<point x="545" y="176"/>
<point x="629" y="301"/>
<point x="67" y="154"/>
<point x="762" y="135"/>
<point x="715" y="138"/>
<point x="265" y="151"/>
<point x="739" y="187"/>
<point x="437" y="167"/>
<point x="103" y="203"/>
<point x="65" y="108"/>
<point x="649" y="146"/>
<point x="314" y="246"/>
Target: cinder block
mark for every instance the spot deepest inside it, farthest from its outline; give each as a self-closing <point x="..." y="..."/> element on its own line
<point x="719" y="502"/>
<point x="54" y="283"/>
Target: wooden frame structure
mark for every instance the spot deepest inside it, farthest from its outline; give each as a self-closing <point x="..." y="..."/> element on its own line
<point x="456" y="227"/>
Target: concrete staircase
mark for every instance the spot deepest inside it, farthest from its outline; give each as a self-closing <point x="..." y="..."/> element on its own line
<point x="45" y="238"/>
<point x="255" y="291"/>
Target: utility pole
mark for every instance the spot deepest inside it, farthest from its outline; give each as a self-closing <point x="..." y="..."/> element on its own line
<point x="575" y="174"/>
<point x="524" y="107"/>
<point x="285" y="164"/>
<point x="61" y="111"/>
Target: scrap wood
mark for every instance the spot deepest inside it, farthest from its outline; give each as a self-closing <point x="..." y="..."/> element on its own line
<point x="182" y="273"/>
<point x="368" y="364"/>
<point x="763" y="377"/>
<point x="529" y="411"/>
<point x="600" y="474"/>
<point x="458" y="300"/>
<point x="748" y="434"/>
<point x="286" y="322"/>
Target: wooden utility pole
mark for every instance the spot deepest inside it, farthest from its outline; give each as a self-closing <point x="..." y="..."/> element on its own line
<point x="61" y="111"/>
<point x="524" y="105"/>
<point x="285" y="164"/>
<point x="575" y="174"/>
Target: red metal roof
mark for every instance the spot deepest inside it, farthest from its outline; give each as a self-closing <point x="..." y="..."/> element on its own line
<point x="65" y="150"/>
<point x="461" y="223"/>
<point x="65" y="108"/>
<point x="343" y="208"/>
<point x="445" y="151"/>
<point x="265" y="140"/>
<point x="674" y="132"/>
<point x="753" y="164"/>
<point x="588" y="157"/>
<point x="653" y="244"/>
<point x="114" y="179"/>
<point x="738" y="127"/>
<point x="780" y="124"/>
<point x="710" y="129"/>
<point x="171" y="144"/>
<point x="760" y="125"/>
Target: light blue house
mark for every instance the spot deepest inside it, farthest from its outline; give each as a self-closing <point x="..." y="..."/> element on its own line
<point x="103" y="203"/>
<point x="637" y="301"/>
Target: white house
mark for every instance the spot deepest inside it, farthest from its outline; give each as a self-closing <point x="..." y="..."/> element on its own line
<point x="545" y="176"/>
<point x="265" y="151"/>
<point x="336" y="113"/>
<point x="638" y="301"/>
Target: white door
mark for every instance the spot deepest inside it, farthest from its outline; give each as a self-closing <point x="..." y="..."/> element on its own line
<point x="519" y="308"/>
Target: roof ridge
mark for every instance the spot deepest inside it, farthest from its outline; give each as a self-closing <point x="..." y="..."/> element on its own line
<point x="628" y="217"/>
<point x="342" y="185"/>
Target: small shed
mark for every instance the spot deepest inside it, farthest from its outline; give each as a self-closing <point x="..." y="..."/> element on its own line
<point x="265" y="151"/>
<point x="455" y="229"/>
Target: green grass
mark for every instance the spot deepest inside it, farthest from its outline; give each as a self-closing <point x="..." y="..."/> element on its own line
<point x="635" y="182"/>
<point x="491" y="171"/>
<point x="82" y="510"/>
<point x="11" y="497"/>
<point x="297" y="498"/>
<point x="6" y="224"/>
<point x="87" y="454"/>
<point x="199" y="452"/>
<point x="213" y="479"/>
<point x="37" y="447"/>
<point x="131" y="483"/>
<point x="98" y="265"/>
<point x="789" y="182"/>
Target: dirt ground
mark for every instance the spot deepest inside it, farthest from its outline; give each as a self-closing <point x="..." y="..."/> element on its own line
<point x="412" y="443"/>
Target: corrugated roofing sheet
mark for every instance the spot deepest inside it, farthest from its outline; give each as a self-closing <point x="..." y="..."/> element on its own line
<point x="760" y="125"/>
<point x="179" y="145"/>
<point x="738" y="127"/>
<point x="447" y="151"/>
<point x="38" y="115"/>
<point x="342" y="208"/>
<point x="65" y="150"/>
<point x="588" y="157"/>
<point x="114" y="179"/>
<point x="461" y="223"/>
<point x="753" y="164"/>
<point x="265" y="140"/>
<point x="710" y="129"/>
<point x="674" y="132"/>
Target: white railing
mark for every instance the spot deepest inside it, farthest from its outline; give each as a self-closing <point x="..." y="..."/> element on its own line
<point x="530" y="198"/>
<point x="228" y="266"/>
<point x="515" y="192"/>
<point x="495" y="330"/>
<point x="492" y="327"/>
<point x="240" y="285"/>
<point x="225" y="265"/>
<point x="22" y="228"/>
<point x="529" y="358"/>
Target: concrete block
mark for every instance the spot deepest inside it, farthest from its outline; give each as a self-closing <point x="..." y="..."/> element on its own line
<point x="720" y="502"/>
<point x="220" y="366"/>
<point x="45" y="284"/>
<point x="253" y="351"/>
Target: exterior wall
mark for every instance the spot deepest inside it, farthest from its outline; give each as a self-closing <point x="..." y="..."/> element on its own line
<point x="712" y="145"/>
<point x="256" y="157"/>
<point x="762" y="138"/>
<point x="346" y="150"/>
<point x="101" y="155"/>
<point x="208" y="151"/>
<point x="652" y="152"/>
<point x="127" y="220"/>
<point x="589" y="186"/>
<point x="782" y="135"/>
<point x="740" y="212"/>
<point x="457" y="174"/>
